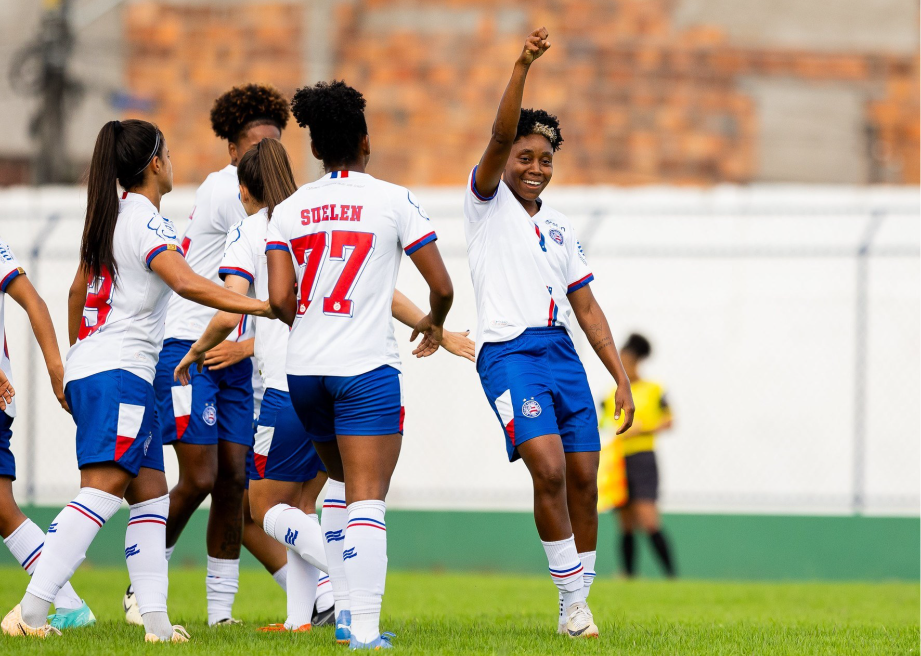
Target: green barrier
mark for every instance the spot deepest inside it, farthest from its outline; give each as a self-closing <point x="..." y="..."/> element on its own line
<point x="741" y="547"/>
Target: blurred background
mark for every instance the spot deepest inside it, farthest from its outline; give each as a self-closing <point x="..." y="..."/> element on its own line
<point x="744" y="179"/>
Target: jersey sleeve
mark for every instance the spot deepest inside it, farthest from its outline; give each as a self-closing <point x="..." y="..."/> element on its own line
<point x="413" y="225"/>
<point x="578" y="273"/>
<point x="9" y="266"/>
<point x="275" y="239"/>
<point x="477" y="206"/>
<point x="239" y="258"/>
<point x="157" y="236"/>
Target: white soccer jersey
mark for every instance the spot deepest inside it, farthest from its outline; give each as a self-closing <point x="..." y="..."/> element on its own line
<point x="345" y="232"/>
<point x="122" y="325"/>
<point x="245" y="257"/>
<point x="217" y="209"/>
<point x="9" y="269"/>
<point x="522" y="267"/>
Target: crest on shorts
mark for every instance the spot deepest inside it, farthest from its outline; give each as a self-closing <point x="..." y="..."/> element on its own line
<point x="209" y="414"/>
<point x="557" y="236"/>
<point x="531" y="409"/>
<point x="147" y="442"/>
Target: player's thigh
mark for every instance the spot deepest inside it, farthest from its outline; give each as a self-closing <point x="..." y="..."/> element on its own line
<point x="368" y="463"/>
<point x="265" y="494"/>
<point x="234" y="408"/>
<point x="311" y="492"/>
<point x="283" y="449"/>
<point x="546" y="462"/>
<point x="197" y="465"/>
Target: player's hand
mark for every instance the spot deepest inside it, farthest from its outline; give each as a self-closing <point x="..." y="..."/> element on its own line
<point x="57" y="385"/>
<point x="6" y="391"/>
<point x="225" y="354"/>
<point x="459" y="344"/>
<point x="432" y="336"/>
<point x="623" y="403"/>
<point x="535" y="45"/>
<point x="181" y="372"/>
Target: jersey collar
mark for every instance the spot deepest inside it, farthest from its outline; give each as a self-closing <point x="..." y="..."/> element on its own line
<point x="338" y="175"/>
<point x="131" y="197"/>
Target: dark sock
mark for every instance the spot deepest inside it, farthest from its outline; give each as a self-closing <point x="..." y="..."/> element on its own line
<point x="660" y="544"/>
<point x="627" y="552"/>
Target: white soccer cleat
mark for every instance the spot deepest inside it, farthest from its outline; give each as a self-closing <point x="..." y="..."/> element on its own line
<point x="12" y="625"/>
<point x="227" y="621"/>
<point x="579" y="622"/>
<point x="179" y="635"/>
<point x="132" y="610"/>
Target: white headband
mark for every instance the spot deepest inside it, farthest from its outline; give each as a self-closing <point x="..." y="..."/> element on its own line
<point x="545" y="130"/>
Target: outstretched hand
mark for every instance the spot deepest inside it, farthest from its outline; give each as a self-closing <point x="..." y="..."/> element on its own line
<point x="432" y="336"/>
<point x="181" y="373"/>
<point x="6" y="391"/>
<point x="535" y="45"/>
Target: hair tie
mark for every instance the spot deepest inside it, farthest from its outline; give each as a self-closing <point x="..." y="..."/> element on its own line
<point x="156" y="148"/>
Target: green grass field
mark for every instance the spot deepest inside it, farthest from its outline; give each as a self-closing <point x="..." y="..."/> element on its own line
<point x="493" y="614"/>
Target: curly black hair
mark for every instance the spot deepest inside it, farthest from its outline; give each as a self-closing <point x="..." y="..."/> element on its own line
<point x="335" y="114"/>
<point x="247" y="106"/>
<point x="537" y="121"/>
<point x="638" y="345"/>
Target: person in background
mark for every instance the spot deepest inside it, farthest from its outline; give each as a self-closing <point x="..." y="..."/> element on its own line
<point x="637" y="448"/>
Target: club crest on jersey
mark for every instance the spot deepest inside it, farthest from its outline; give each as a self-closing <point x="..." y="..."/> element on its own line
<point x="147" y="442"/>
<point x="209" y="414"/>
<point x="162" y="226"/>
<point x="531" y="409"/>
<point x="557" y="236"/>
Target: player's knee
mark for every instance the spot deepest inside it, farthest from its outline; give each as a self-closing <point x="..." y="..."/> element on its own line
<point x="198" y="483"/>
<point x="549" y="479"/>
<point x="230" y="483"/>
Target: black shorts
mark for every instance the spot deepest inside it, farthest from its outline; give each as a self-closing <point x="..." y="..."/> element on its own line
<point x="642" y="476"/>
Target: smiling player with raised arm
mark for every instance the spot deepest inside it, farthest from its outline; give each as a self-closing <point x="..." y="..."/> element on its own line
<point x="529" y="276"/>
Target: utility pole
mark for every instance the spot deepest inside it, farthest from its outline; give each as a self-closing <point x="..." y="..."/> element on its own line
<point x="52" y="165"/>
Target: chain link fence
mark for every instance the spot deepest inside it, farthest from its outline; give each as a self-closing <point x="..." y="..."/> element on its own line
<point x="784" y="322"/>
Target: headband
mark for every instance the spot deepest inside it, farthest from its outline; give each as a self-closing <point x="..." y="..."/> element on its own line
<point x="156" y="149"/>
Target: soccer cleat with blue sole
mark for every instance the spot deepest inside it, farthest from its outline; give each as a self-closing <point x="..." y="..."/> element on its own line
<point x="72" y="619"/>
<point x="383" y="641"/>
<point x="344" y="627"/>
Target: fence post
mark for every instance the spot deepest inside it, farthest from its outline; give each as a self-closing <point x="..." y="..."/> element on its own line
<point x="861" y="312"/>
<point x="31" y="395"/>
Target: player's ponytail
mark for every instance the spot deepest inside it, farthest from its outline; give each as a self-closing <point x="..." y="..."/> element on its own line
<point x="123" y="151"/>
<point x="265" y="171"/>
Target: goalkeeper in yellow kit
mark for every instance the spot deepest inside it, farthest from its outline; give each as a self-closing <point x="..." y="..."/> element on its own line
<point x="628" y="474"/>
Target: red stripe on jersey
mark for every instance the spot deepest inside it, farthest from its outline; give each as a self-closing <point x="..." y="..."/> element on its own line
<point x="122" y="444"/>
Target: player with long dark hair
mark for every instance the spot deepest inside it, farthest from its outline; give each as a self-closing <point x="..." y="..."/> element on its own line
<point x="338" y="243"/>
<point x="130" y="259"/>
<point x="529" y="276"/>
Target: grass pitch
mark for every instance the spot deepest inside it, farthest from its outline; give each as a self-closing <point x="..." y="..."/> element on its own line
<point x="493" y="614"/>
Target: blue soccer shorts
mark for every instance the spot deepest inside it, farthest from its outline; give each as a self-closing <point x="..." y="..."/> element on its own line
<point x="536" y="385"/>
<point x="367" y="404"/>
<point x="283" y="450"/>
<point x="7" y="461"/>
<point x="215" y="405"/>
<point x="116" y="421"/>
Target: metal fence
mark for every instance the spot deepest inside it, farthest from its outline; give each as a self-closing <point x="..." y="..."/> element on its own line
<point x="784" y="321"/>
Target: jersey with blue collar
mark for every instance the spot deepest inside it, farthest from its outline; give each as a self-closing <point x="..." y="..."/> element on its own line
<point x="123" y="318"/>
<point x="345" y="233"/>
<point x="523" y="267"/>
<point x="9" y="270"/>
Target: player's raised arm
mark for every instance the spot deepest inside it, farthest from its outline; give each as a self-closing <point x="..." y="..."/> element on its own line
<point x="504" y="130"/>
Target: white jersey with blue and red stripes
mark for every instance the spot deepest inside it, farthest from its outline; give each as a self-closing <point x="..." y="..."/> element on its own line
<point x="123" y="318"/>
<point x="523" y="267"/>
<point x="245" y="257"/>
<point x="9" y="270"/>
<point x="345" y="233"/>
<point x="217" y="210"/>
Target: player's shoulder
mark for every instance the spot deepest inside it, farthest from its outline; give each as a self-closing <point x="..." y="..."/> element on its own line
<point x="6" y="253"/>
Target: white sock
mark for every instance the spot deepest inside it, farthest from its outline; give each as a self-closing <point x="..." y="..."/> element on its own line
<point x="25" y="543"/>
<point x="302" y="590"/>
<point x="69" y="536"/>
<point x="145" y="555"/>
<point x="566" y="570"/>
<point x="169" y="552"/>
<point x="333" y="522"/>
<point x="281" y="577"/>
<point x="298" y="531"/>
<point x="325" y="596"/>
<point x="222" y="584"/>
<point x="588" y="573"/>
<point x="365" y="557"/>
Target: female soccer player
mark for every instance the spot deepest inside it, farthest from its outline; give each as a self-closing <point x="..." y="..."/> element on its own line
<point x="20" y="534"/>
<point x="529" y="276"/>
<point x="130" y="259"/>
<point x="286" y="463"/>
<point x="209" y="423"/>
<point x="338" y="240"/>
<point x="653" y="415"/>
